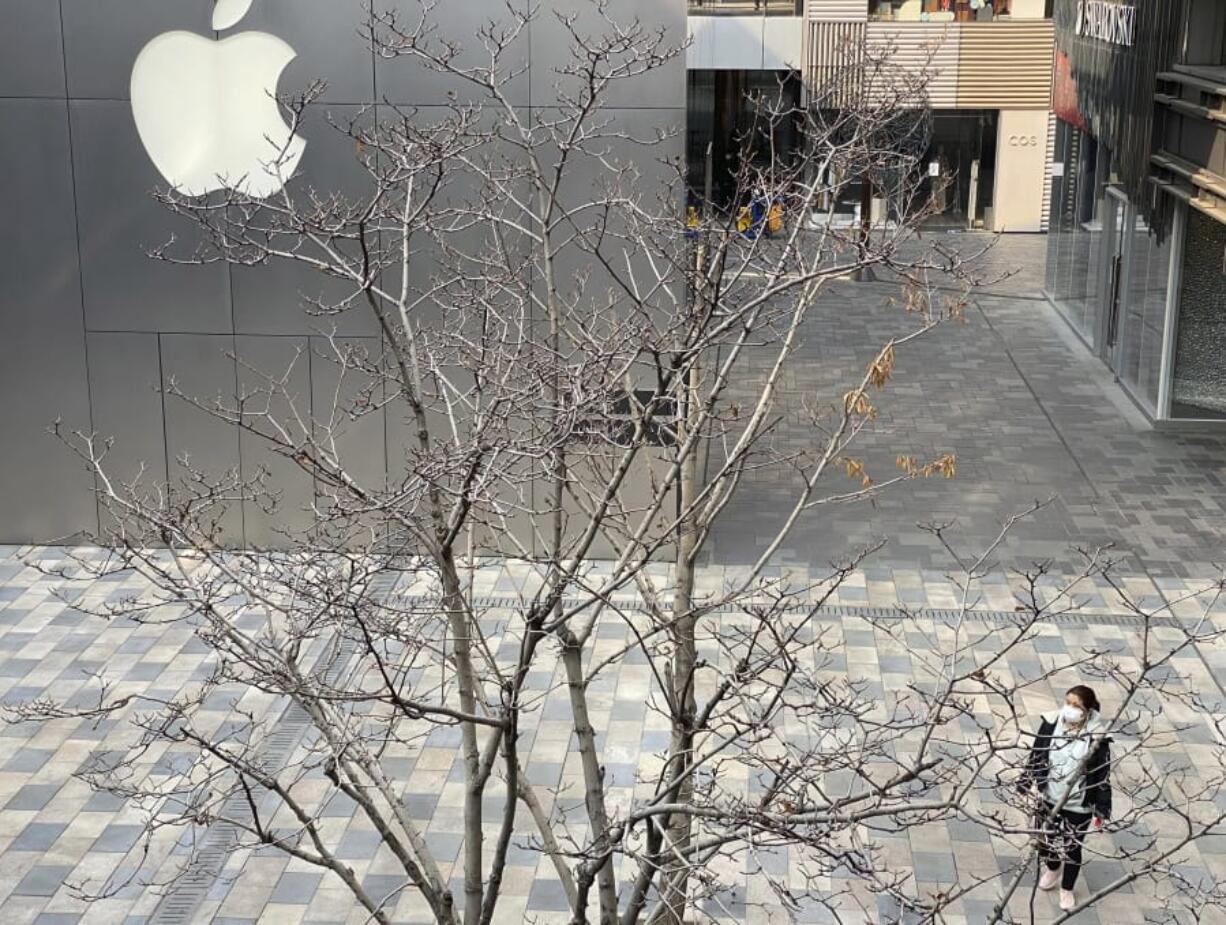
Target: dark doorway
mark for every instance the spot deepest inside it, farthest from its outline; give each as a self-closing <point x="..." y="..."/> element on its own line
<point x="960" y="169"/>
<point x="724" y="111"/>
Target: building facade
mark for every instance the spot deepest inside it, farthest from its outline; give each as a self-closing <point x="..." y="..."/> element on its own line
<point x="738" y="49"/>
<point x="91" y="328"/>
<point x="1138" y="236"/>
<point x="988" y="71"/>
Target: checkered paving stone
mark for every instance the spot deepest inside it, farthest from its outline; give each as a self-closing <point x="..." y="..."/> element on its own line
<point x="55" y="832"/>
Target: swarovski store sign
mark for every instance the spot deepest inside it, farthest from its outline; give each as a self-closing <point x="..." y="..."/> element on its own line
<point x="1106" y="22"/>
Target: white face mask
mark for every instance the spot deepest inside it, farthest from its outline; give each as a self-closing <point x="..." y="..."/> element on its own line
<point x="1071" y="714"/>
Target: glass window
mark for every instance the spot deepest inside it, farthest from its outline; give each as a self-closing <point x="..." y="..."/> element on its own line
<point x="1198" y="386"/>
<point x="1145" y="304"/>
<point x="938" y="10"/>
<point x="1206" y="39"/>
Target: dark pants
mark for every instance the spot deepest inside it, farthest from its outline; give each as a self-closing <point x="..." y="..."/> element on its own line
<point x="1061" y="841"/>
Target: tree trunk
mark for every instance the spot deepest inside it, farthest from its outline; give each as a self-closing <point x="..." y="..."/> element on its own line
<point x="675" y="884"/>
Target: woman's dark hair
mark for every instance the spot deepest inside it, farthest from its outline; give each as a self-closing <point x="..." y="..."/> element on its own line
<point x="1087" y="696"/>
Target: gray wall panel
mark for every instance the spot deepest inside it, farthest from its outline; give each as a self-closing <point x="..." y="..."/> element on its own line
<point x="326" y="36"/>
<point x="120" y="221"/>
<point x="103" y="37"/>
<point x="269" y="299"/>
<point x="552" y="44"/>
<point x="44" y="491"/>
<point x="650" y="173"/>
<point x="403" y="79"/>
<point x="125" y="380"/>
<point x="289" y="489"/>
<point x="76" y="187"/>
<point x="199" y="365"/>
<point x="340" y="399"/>
<point x="31" y="50"/>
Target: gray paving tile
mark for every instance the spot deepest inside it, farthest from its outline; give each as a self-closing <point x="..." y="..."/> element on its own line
<point x="32" y="796"/>
<point x="931" y="866"/>
<point x="385" y="889"/>
<point x="117" y="839"/>
<point x="37" y="836"/>
<point x="296" y="887"/>
<point x="28" y="759"/>
<point x="547" y="896"/>
<point x="42" y="880"/>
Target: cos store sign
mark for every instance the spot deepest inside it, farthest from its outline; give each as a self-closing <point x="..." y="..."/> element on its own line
<point x="1024" y="141"/>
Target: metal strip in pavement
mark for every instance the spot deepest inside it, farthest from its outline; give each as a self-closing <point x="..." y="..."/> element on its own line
<point x="178" y="906"/>
<point x="830" y="611"/>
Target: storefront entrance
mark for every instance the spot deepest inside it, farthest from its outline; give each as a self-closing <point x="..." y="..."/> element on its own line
<point x="1142" y="283"/>
<point x="960" y="169"/>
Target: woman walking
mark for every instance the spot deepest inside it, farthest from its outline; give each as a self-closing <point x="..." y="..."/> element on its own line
<point x="1070" y="767"/>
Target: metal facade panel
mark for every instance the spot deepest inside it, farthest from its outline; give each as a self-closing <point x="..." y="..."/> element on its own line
<point x="552" y="44"/>
<point x="832" y="48"/>
<point x="45" y="492"/>
<point x="922" y="48"/>
<point x="404" y="80"/>
<point x="103" y="37"/>
<point x="119" y="222"/>
<point x="1005" y="65"/>
<point x="142" y="315"/>
<point x="576" y="271"/>
<point x="125" y="382"/>
<point x="31" y="50"/>
<point x="782" y="43"/>
<point x="326" y="35"/>
<point x="288" y="492"/>
<point x="729" y="43"/>
<point x="837" y="10"/>
<point x="202" y="367"/>
<point x="1047" y="177"/>
<point x="337" y="395"/>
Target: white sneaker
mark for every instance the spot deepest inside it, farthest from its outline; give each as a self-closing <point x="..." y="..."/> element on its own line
<point x="1067" y="900"/>
<point x="1049" y="879"/>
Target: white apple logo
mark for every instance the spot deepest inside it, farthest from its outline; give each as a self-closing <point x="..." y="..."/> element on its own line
<point x="206" y="111"/>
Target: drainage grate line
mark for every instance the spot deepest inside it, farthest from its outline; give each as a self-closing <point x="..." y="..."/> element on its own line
<point x="829" y="611"/>
<point x="178" y="906"/>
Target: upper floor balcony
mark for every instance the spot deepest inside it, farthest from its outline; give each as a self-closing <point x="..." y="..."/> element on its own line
<point x="952" y="10"/>
<point x="928" y="11"/>
<point x="1190" y="160"/>
<point x="1002" y="62"/>
<point x="1189" y="157"/>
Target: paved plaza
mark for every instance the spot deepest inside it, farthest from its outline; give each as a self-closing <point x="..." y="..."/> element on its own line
<point x="1029" y="415"/>
<point x="54" y="831"/>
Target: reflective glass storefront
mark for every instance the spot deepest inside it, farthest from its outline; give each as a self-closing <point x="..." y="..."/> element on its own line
<point x="1076" y="278"/>
<point x="1198" y="383"/>
<point x="1111" y="266"/>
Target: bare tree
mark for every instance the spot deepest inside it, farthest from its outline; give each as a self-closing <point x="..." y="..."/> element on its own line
<point x="556" y="359"/>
